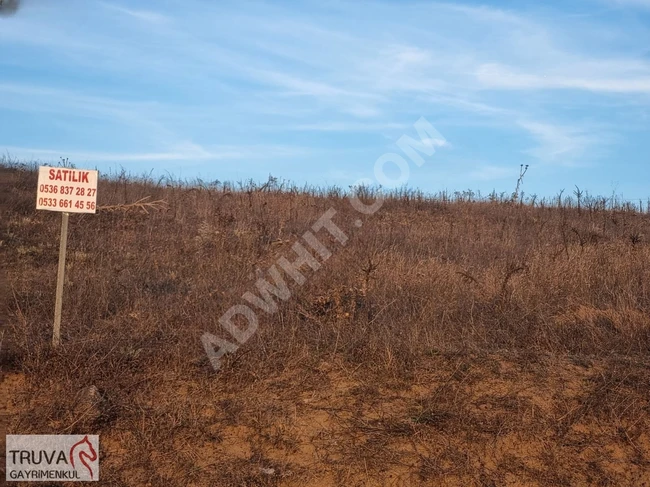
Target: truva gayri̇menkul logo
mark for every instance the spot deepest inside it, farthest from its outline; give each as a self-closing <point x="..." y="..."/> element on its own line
<point x="63" y="458"/>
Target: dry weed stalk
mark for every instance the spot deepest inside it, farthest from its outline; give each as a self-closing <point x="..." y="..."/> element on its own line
<point x="142" y="204"/>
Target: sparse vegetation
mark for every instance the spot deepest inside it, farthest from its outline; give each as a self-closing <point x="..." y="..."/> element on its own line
<point x="456" y="340"/>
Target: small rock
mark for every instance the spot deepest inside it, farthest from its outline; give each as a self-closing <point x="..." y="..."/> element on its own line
<point x="90" y="403"/>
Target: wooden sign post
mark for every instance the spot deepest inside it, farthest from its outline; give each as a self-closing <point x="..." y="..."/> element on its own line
<point x="60" y="277"/>
<point x="68" y="191"/>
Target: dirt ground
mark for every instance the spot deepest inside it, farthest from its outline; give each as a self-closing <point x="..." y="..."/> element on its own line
<point x="461" y="420"/>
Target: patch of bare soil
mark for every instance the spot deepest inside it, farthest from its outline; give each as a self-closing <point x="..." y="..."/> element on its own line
<point x="12" y="387"/>
<point x="460" y="420"/>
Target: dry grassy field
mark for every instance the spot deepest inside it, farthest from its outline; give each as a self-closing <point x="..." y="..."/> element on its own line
<point x="449" y="342"/>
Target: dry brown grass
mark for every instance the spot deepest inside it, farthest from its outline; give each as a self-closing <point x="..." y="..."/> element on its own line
<point x="449" y="343"/>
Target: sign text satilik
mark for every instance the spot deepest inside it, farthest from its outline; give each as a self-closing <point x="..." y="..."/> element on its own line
<point x="67" y="190"/>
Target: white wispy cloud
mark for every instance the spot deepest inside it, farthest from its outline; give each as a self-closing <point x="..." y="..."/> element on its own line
<point x="557" y="144"/>
<point x="348" y="126"/>
<point x="503" y="77"/>
<point x="186" y="152"/>
<point x="216" y="73"/>
<point x="142" y="15"/>
<point x="631" y="3"/>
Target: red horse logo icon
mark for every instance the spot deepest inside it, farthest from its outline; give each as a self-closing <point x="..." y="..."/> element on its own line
<point x="84" y="451"/>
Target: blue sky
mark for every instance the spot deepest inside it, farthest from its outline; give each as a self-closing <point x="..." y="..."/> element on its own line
<point x="317" y="91"/>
